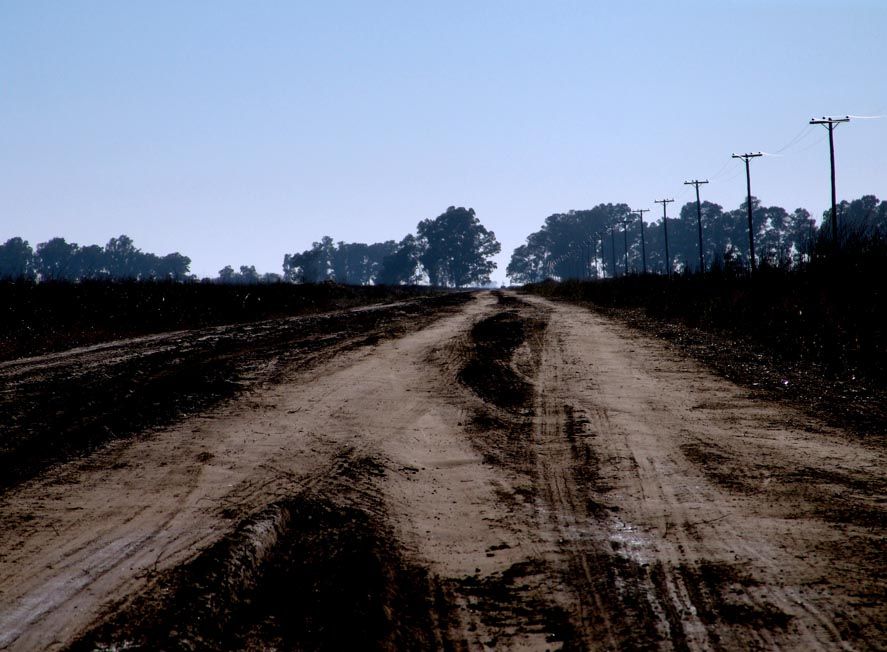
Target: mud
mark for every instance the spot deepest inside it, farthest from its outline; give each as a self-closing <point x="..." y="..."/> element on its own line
<point x="491" y="345"/>
<point x="63" y="405"/>
<point x="514" y="602"/>
<point x="497" y="362"/>
<point x="505" y="473"/>
<point x="316" y="571"/>
<point x="848" y="401"/>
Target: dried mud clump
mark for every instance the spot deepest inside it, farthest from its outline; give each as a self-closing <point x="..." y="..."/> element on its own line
<point x="516" y="602"/>
<point x="488" y="370"/>
<point x="306" y="573"/>
<point x="498" y="362"/>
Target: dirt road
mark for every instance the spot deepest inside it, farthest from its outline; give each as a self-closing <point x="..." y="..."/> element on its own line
<point x="515" y="474"/>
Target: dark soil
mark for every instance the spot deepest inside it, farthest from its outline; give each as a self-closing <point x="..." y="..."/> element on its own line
<point x="623" y="599"/>
<point x="68" y="404"/>
<point x="796" y="339"/>
<point x="488" y="370"/>
<point x="856" y="403"/>
<point x="715" y="590"/>
<point x="832" y="497"/>
<point x="314" y="572"/>
<point x="38" y="318"/>
<point x="501" y="425"/>
<point x="516" y="601"/>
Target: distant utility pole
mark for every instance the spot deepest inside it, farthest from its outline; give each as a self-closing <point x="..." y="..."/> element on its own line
<point x="665" y="203"/>
<point x="599" y="272"/>
<point x="625" y="238"/>
<point x="751" y="228"/>
<point x="830" y="124"/>
<point x="640" y="213"/>
<point x="600" y="236"/>
<point x="613" y="247"/>
<point x="697" y="183"/>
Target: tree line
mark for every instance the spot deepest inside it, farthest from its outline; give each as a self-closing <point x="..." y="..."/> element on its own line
<point x="59" y="260"/>
<point x="452" y="250"/>
<point x="607" y="240"/>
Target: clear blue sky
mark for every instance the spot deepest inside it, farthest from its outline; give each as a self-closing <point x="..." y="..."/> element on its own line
<point x="235" y="132"/>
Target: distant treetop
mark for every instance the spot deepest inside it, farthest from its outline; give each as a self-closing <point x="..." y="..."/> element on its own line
<point x="59" y="260"/>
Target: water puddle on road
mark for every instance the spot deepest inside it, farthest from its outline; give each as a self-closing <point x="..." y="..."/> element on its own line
<point x="629" y="542"/>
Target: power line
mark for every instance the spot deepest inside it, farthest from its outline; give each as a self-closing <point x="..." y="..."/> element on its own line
<point x="751" y="228"/>
<point x="720" y="171"/>
<point x="698" y="183"/>
<point x="680" y="196"/>
<point x="801" y="135"/>
<point x="813" y="144"/>
<point x="731" y="177"/>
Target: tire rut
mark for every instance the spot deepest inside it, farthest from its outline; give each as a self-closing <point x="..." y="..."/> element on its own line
<point x="286" y="576"/>
<point x="653" y="544"/>
<point x="520" y="430"/>
<point x="67" y="404"/>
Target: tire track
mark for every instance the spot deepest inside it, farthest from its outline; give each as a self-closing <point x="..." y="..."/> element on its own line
<point x="719" y="570"/>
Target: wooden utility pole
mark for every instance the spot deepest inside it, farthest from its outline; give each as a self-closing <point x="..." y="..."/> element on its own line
<point x="601" y="236"/>
<point x="751" y="227"/>
<point x="665" y="203"/>
<point x="625" y="238"/>
<point x="697" y="183"/>
<point x="640" y="213"/>
<point x="613" y="247"/>
<point x="830" y="124"/>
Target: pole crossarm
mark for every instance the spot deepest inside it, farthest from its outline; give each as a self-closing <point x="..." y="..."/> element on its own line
<point x="829" y="121"/>
<point x="746" y="157"/>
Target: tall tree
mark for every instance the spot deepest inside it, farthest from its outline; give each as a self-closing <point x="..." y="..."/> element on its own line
<point x="173" y="267"/>
<point x="226" y="274"/>
<point x="57" y="260"/>
<point x="568" y="245"/>
<point x="348" y="263"/>
<point x="92" y="263"/>
<point x="17" y="260"/>
<point x="527" y="264"/>
<point x="375" y="254"/>
<point x="456" y="248"/>
<point x="312" y="266"/>
<point x="863" y="217"/>
<point x="248" y="274"/>
<point x="402" y="266"/>
<point x="356" y="263"/>
<point x="123" y="258"/>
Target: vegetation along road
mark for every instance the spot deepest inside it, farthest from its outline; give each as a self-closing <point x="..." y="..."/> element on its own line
<point x="469" y="471"/>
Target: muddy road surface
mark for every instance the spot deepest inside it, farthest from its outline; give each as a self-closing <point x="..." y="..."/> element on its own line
<point x="496" y="473"/>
